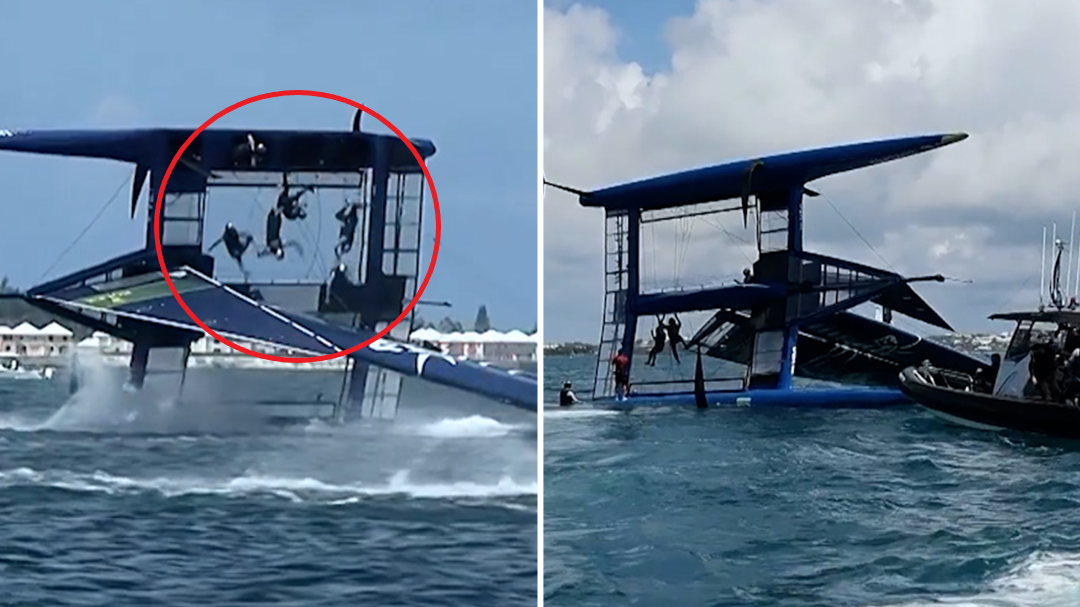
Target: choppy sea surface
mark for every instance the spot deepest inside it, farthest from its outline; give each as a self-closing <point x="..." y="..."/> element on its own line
<point x="103" y="502"/>
<point x="886" y="508"/>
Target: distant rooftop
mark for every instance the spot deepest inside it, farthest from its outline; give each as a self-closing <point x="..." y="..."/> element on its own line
<point x="28" y="330"/>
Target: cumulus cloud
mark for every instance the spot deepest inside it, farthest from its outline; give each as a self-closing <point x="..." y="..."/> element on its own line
<point x="747" y="78"/>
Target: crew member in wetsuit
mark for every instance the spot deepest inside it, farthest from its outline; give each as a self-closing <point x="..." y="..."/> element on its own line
<point x="249" y="152"/>
<point x="659" y="337"/>
<point x="1072" y="377"/>
<point x="290" y="204"/>
<point x="567" y="397"/>
<point x="673" y="326"/>
<point x="349" y="219"/>
<point x="995" y="365"/>
<point x="621" y="363"/>
<point x="236" y="243"/>
<point x="1043" y="370"/>
<point x="274" y="244"/>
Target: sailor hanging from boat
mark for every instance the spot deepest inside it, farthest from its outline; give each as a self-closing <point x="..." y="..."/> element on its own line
<point x="659" y="339"/>
<point x="289" y="204"/>
<point x="236" y="243"/>
<point x="274" y="244"/>
<point x="349" y="218"/>
<point x="249" y="152"/>
<point x="673" y="326"/>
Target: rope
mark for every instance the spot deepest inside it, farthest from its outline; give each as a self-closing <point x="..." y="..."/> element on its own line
<point x="318" y="234"/>
<point x="1013" y="296"/>
<point x="100" y="212"/>
<point x="853" y="229"/>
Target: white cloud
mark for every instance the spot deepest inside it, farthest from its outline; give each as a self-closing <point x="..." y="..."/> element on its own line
<point x="759" y="77"/>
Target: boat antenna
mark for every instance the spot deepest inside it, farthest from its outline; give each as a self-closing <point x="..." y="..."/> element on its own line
<point x="1042" y="270"/>
<point x="1068" y="268"/>
<point x="1056" y="296"/>
<point x="1076" y="281"/>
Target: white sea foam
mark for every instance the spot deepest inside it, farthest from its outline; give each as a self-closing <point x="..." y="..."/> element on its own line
<point x="1045" y="579"/>
<point x="577" y="413"/>
<point x="304" y="489"/>
<point x="474" y="426"/>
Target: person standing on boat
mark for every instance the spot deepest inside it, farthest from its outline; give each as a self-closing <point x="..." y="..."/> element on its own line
<point x="621" y="363"/>
<point x="673" y="326"/>
<point x="567" y="396"/>
<point x="236" y="243"/>
<point x="290" y="204"/>
<point x="659" y="337"/>
<point x="1072" y="377"/>
<point x="1043" y="370"/>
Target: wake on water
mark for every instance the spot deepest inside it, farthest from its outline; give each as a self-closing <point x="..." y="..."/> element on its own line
<point x="1044" y="579"/>
<point x="441" y="459"/>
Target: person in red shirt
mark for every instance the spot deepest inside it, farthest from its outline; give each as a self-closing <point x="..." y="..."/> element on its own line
<point x="621" y="363"/>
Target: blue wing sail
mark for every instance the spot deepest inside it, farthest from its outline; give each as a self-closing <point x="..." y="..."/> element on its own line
<point x="236" y="316"/>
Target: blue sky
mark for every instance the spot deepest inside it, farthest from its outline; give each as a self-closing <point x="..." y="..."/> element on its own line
<point x="461" y="73"/>
<point x="641" y="26"/>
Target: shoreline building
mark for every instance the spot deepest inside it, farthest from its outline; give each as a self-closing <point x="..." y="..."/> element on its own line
<point x="489" y="346"/>
<point x="28" y="341"/>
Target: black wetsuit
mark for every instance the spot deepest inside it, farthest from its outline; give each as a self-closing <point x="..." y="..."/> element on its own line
<point x="235" y="243"/>
<point x="566" y="397"/>
<point x="273" y="231"/>
<point x="349" y="220"/>
<point x="673" y="326"/>
<point x="290" y="205"/>
<point x="659" y="338"/>
<point x="1043" y="369"/>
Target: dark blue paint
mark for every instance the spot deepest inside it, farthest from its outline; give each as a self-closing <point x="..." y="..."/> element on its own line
<point x="778" y="173"/>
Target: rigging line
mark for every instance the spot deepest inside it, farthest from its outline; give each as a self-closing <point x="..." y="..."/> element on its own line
<point x="1001" y="308"/>
<point x="100" y="212"/>
<point x="317" y="256"/>
<point x="685" y="237"/>
<point x="318" y="231"/>
<point x="885" y="261"/>
<point x="735" y="239"/>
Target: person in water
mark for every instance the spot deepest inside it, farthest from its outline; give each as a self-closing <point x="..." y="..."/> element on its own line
<point x="349" y="218"/>
<point x="567" y="396"/>
<point x="673" y="326"/>
<point x="236" y="243"/>
<point x="289" y="204"/>
<point x="621" y="364"/>
<point x="274" y="245"/>
<point x="659" y="337"/>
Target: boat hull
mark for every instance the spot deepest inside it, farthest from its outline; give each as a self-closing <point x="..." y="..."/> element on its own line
<point x="990" y="412"/>
<point x="823" y="398"/>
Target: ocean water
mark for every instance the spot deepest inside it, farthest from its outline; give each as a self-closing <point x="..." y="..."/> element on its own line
<point x="106" y="502"/>
<point x="886" y="508"/>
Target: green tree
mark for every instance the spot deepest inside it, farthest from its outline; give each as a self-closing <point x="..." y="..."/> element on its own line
<point x="449" y="325"/>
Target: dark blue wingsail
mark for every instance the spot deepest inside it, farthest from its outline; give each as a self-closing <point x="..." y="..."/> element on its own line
<point x="146" y="298"/>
